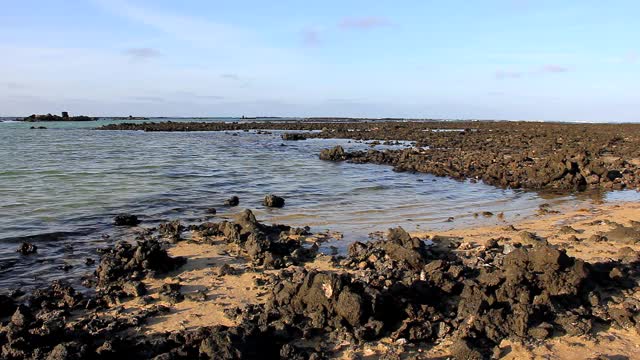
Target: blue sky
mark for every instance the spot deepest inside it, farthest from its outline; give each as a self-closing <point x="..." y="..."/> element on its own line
<point x="490" y="59"/>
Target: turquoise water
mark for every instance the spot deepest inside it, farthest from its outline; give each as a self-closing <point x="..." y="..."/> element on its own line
<point x="61" y="187"/>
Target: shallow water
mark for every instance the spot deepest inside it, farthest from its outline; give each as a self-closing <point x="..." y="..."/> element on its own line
<point x="61" y="187"/>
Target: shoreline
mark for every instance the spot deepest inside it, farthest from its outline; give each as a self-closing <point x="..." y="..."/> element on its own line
<point x="219" y="289"/>
<point x="557" y="284"/>
<point x="535" y="156"/>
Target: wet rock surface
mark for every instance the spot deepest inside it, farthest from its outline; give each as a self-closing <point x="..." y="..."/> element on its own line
<point x="27" y="249"/>
<point x="273" y="201"/>
<point x="126" y="220"/>
<point x="271" y="246"/>
<point x="122" y="268"/>
<point x="171" y="230"/>
<point x="232" y="201"/>
<point x="293" y="136"/>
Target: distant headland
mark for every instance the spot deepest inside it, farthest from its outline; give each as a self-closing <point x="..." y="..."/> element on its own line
<point x="64" y="116"/>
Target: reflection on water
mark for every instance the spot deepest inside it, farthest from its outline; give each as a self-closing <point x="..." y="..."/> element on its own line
<point x="61" y="187"/>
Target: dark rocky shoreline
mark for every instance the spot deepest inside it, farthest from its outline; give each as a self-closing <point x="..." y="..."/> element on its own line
<point x="527" y="155"/>
<point x="408" y="289"/>
<point x="415" y="292"/>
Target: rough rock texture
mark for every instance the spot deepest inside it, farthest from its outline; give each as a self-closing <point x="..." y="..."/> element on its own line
<point x="126" y="220"/>
<point x="232" y="201"/>
<point x="27" y="249"/>
<point x="122" y="267"/>
<point x="271" y="246"/>
<point x="171" y="230"/>
<point x="7" y="306"/>
<point x="624" y="235"/>
<point x="293" y="136"/>
<point x="399" y="287"/>
<point x="334" y="154"/>
<point x="273" y="201"/>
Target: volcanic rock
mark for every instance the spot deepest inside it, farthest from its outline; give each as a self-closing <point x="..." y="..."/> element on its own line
<point x="273" y="201"/>
<point x="27" y="249"/>
<point x="126" y="220"/>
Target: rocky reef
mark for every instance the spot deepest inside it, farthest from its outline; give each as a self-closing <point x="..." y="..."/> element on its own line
<point x="526" y="155"/>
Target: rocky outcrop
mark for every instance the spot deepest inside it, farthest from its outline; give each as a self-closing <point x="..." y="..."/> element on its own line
<point x="271" y="246"/>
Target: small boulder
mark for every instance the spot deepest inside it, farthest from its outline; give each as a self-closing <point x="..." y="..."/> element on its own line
<point x="335" y="154"/>
<point x="27" y="249"/>
<point x="232" y="201"/>
<point x="293" y="136"/>
<point x="126" y="220"/>
<point x="273" y="201"/>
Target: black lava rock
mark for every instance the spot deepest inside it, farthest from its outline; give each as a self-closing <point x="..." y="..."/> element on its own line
<point x="126" y="220"/>
<point x="27" y="249"/>
<point x="232" y="201"/>
<point x="273" y="201"/>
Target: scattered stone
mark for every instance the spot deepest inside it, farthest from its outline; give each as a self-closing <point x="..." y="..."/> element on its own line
<point x="171" y="230"/>
<point x="597" y="238"/>
<point x="126" y="220"/>
<point x="131" y="262"/>
<point x="624" y="235"/>
<point x="27" y="249"/>
<point x="335" y="154"/>
<point x="627" y="254"/>
<point x="232" y="201"/>
<point x="529" y="238"/>
<point x="273" y="201"/>
<point x="293" y="136"/>
<point x="568" y="230"/>
<point x="171" y="293"/>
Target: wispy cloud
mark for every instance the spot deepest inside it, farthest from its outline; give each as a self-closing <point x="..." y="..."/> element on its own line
<point x="553" y="68"/>
<point x="310" y="37"/>
<point x="195" y="30"/>
<point x="13" y="85"/>
<point x="192" y="95"/>
<point x="155" y="99"/>
<point x="364" y="23"/>
<point x="230" y="76"/>
<point x="544" y="69"/>
<point x="142" y="53"/>
<point x="506" y="74"/>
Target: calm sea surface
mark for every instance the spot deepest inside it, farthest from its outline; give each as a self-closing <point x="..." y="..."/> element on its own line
<point x="61" y="187"/>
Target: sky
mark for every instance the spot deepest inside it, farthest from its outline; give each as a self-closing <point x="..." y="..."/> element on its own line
<point x="570" y="60"/>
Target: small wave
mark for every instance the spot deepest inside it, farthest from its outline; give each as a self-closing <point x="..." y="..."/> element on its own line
<point x="45" y="237"/>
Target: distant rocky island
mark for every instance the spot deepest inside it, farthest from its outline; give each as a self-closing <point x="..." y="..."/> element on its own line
<point x="63" y="117"/>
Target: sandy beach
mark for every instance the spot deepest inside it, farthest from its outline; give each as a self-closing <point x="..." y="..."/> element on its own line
<point x="215" y="282"/>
